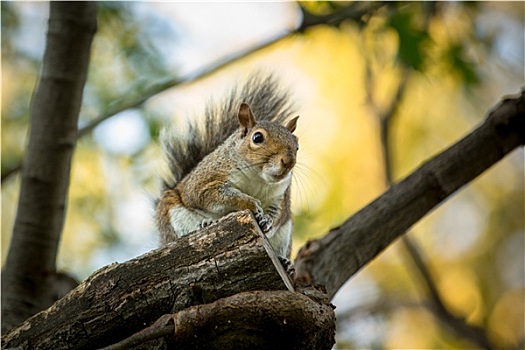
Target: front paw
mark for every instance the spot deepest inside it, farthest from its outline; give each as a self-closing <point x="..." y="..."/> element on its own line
<point x="205" y="223"/>
<point x="264" y="221"/>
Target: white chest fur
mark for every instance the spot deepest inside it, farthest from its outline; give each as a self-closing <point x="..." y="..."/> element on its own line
<point x="250" y="182"/>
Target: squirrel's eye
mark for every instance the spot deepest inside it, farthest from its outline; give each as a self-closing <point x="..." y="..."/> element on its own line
<point x="258" y="137"/>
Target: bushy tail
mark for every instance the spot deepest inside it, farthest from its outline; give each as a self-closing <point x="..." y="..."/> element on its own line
<point x="267" y="102"/>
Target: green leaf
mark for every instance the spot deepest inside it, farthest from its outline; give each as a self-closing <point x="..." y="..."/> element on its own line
<point x="411" y="39"/>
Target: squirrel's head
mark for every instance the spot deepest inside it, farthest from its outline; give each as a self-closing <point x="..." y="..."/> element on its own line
<point x="269" y="147"/>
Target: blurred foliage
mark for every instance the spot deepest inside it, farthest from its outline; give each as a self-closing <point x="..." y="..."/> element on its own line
<point x="411" y="38"/>
<point x="457" y="59"/>
<point x="129" y="56"/>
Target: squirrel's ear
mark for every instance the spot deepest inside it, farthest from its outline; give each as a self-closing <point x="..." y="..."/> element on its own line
<point x="246" y="119"/>
<point x="292" y="124"/>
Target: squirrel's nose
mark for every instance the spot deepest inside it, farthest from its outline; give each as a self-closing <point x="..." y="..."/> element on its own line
<point x="287" y="161"/>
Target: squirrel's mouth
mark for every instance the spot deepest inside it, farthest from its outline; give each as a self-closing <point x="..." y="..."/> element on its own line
<point x="277" y="177"/>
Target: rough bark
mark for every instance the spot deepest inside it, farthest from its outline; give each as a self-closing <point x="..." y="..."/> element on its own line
<point x="249" y="320"/>
<point x="27" y="280"/>
<point x="256" y="320"/>
<point x="224" y="259"/>
<point x="334" y="258"/>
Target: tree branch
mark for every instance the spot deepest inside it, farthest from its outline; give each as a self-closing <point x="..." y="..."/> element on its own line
<point x="224" y="259"/>
<point x="281" y="319"/>
<point x="362" y="237"/>
<point x="30" y="264"/>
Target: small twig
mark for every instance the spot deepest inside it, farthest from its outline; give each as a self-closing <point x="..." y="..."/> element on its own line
<point x="423" y="269"/>
<point x="381" y="306"/>
<point x="457" y="325"/>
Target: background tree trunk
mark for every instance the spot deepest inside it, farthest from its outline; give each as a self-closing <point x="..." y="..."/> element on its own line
<point x="30" y="271"/>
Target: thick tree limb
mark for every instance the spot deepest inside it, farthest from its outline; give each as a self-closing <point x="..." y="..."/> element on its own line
<point x="249" y="320"/>
<point x="30" y="266"/>
<point x="224" y="259"/>
<point x="334" y="258"/>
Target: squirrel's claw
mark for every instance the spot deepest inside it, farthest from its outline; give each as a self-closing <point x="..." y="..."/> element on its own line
<point x="265" y="221"/>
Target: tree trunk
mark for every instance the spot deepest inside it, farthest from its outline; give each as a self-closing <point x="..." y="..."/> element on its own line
<point x="334" y="258"/>
<point x="30" y="270"/>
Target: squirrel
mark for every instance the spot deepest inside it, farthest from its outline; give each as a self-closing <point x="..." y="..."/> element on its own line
<point x="241" y="159"/>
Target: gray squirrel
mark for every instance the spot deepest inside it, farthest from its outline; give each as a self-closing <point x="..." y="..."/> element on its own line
<point x="242" y="158"/>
